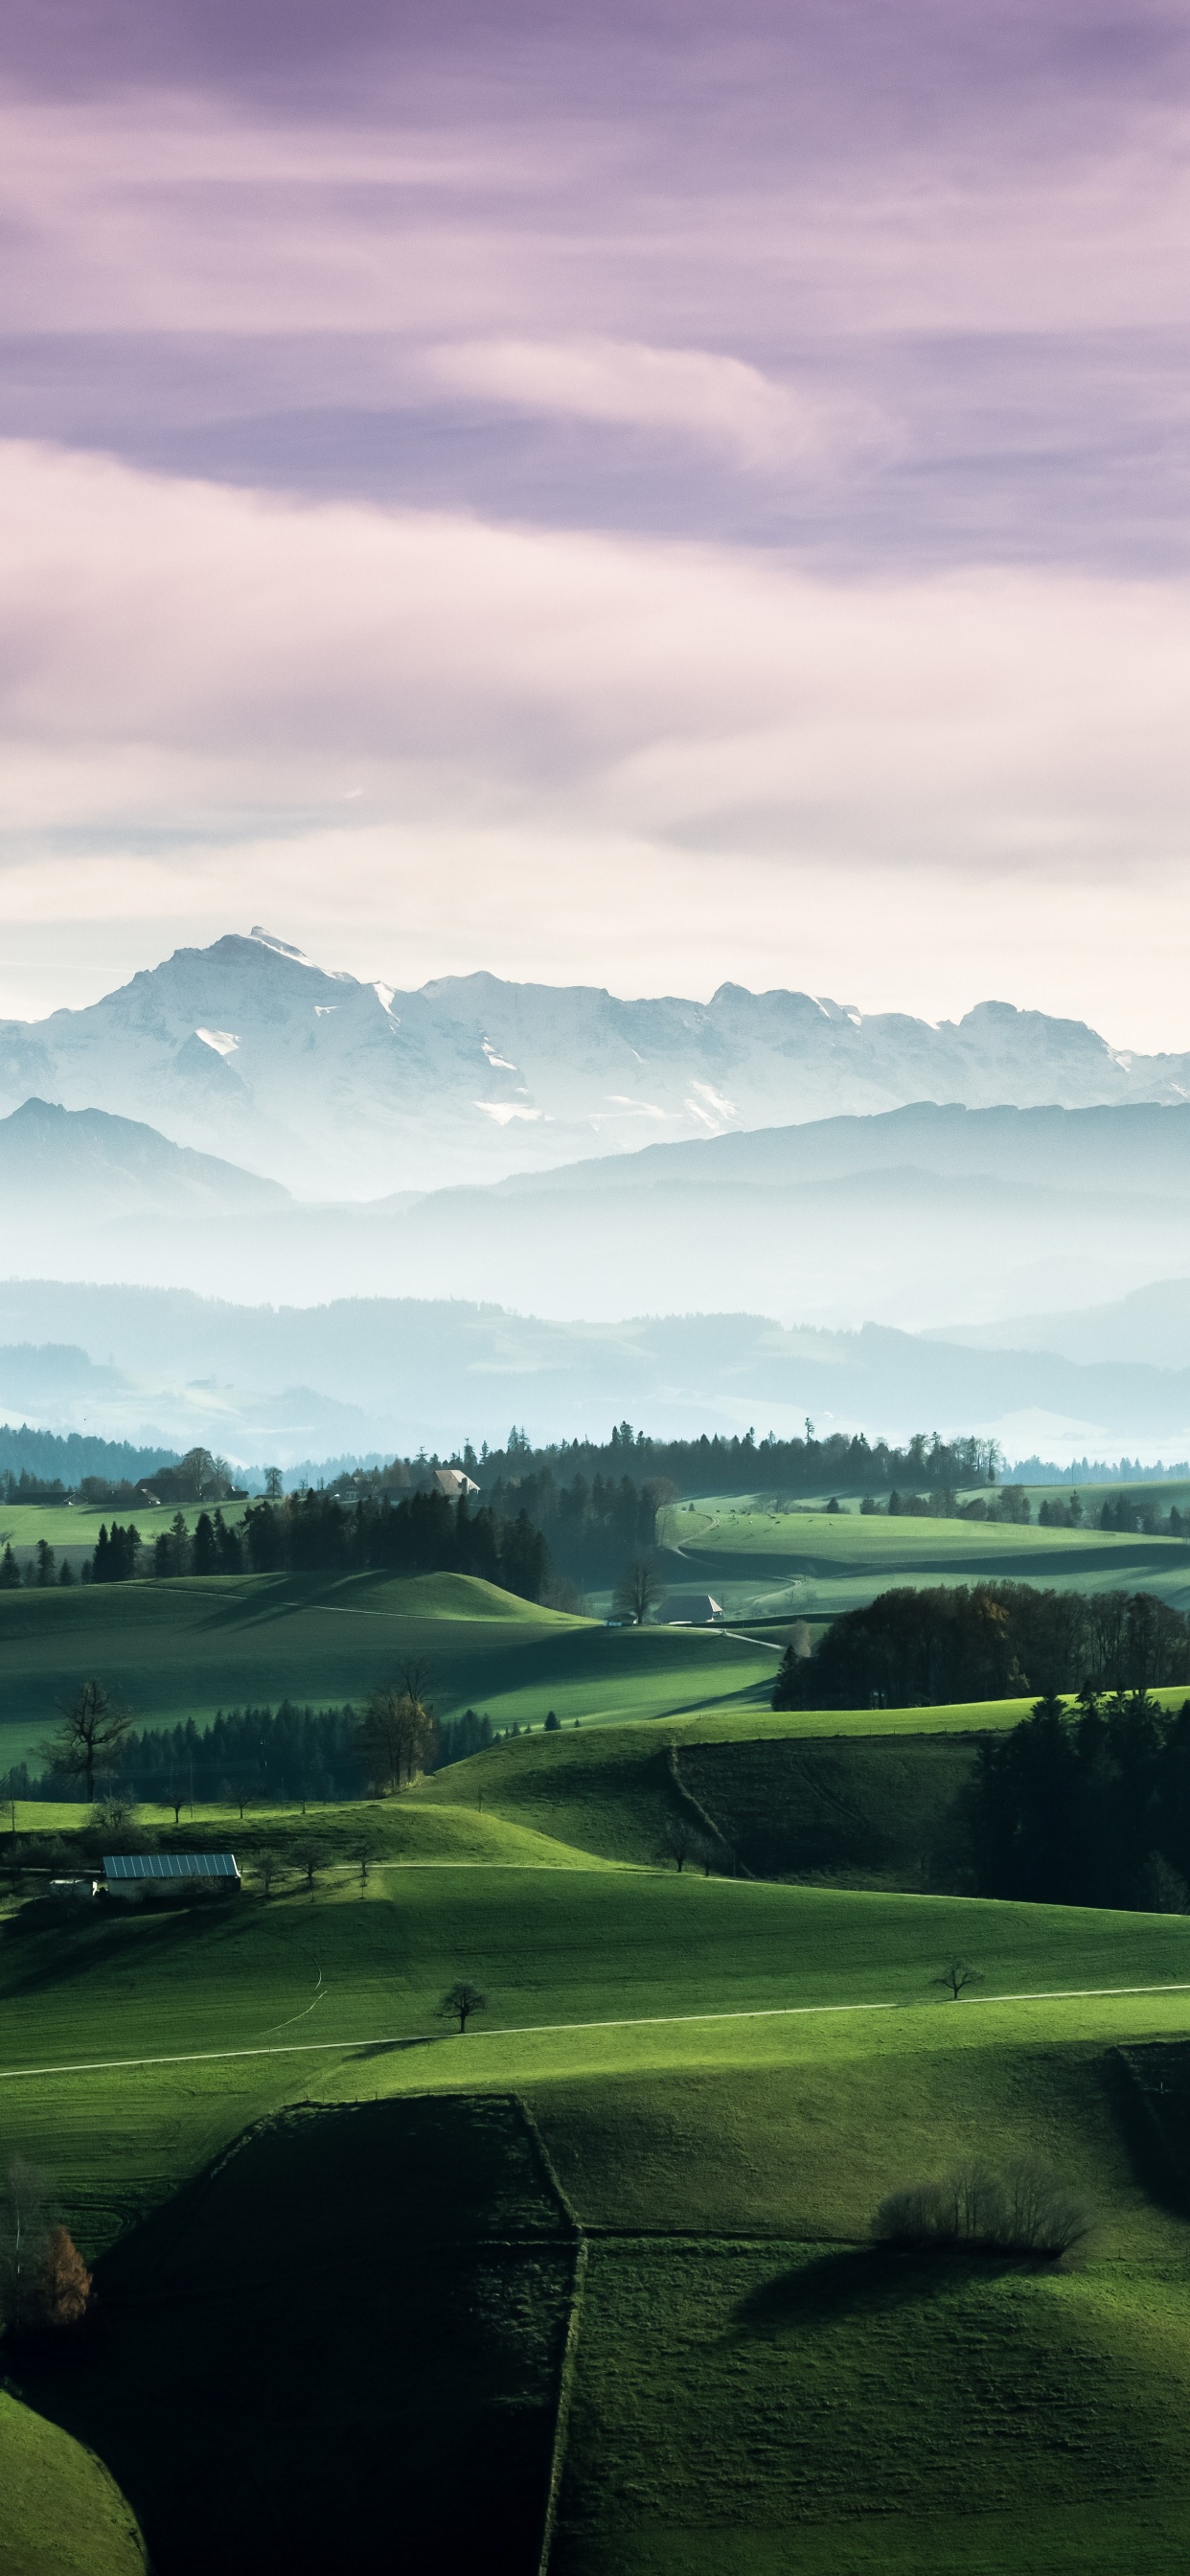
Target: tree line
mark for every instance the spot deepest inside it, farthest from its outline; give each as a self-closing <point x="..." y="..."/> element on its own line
<point x="313" y="1533"/>
<point x="717" y="1464"/>
<point x="280" y="1756"/>
<point x="1089" y="1806"/>
<point x="915" y="1648"/>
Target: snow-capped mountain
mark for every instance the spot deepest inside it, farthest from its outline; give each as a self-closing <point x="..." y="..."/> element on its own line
<point x="342" y="1088"/>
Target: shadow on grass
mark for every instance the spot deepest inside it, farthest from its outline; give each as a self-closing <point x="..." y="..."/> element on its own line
<point x="337" y="2348"/>
<point x="42" y="1948"/>
<point x="393" y="2047"/>
<point x="861" y="2280"/>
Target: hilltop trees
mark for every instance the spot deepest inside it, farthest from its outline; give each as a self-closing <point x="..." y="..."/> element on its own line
<point x="1086" y="1806"/>
<point x="917" y="1648"/>
<point x="116" y="1554"/>
<point x="89" y="1738"/>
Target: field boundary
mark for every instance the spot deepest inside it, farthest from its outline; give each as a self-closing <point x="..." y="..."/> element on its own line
<point x="566" y="2378"/>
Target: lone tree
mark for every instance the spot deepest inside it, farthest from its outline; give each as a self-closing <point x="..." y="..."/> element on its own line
<point x="396" y="1733"/>
<point x="957" y="1976"/>
<point x="310" y="1857"/>
<point x="637" y="1592"/>
<point x="364" y="1852"/>
<point x="460" y="2001"/>
<point x="269" y="1868"/>
<point x="89" y="1738"/>
<point x="680" y="1842"/>
<point x="62" y="2288"/>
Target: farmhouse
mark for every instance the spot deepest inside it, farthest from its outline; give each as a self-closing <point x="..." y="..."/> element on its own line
<point x="699" y="1611"/>
<point x="452" y="1482"/>
<point x="130" y="1874"/>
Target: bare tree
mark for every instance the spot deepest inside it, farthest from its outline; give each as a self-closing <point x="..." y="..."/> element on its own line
<point x="269" y="1868"/>
<point x="396" y="1733"/>
<point x="637" y="1592"/>
<point x="460" y="2001"/>
<point x="89" y="1738"/>
<point x="680" y="1841"/>
<point x="1021" y="2209"/>
<point x="957" y="1976"/>
<point x="114" y="1824"/>
<point x="418" y="1680"/>
<point x="311" y="1857"/>
<point x="364" y="1852"/>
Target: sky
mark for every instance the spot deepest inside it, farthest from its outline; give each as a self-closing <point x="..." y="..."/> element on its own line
<point x="645" y="497"/>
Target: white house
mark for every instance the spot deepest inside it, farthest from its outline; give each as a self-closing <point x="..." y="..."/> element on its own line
<point x="452" y="1482"/>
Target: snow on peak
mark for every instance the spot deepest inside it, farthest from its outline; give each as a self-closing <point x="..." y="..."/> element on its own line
<point x="221" y="1039"/>
<point x="282" y="947"/>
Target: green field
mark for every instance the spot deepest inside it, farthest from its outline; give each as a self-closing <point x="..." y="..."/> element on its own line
<point x="71" y="1529"/>
<point x="186" y="1648"/>
<point x="61" y="2512"/>
<point x="809" y="1564"/>
<point x="612" y="2244"/>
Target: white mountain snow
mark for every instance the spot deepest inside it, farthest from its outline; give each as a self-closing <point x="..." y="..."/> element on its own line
<point x="343" y="1088"/>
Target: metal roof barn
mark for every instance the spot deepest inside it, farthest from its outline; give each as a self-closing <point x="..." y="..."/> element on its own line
<point x="170" y="1865"/>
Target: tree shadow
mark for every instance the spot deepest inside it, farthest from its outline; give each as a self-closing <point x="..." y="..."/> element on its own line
<point x="861" y="2280"/>
<point x="392" y="2047"/>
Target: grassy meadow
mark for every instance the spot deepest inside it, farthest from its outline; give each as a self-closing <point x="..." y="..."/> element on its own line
<point x="765" y="1564"/>
<point x="592" y="2286"/>
<point x="177" y="1649"/>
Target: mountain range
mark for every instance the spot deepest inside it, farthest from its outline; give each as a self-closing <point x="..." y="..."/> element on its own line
<point x="907" y="1219"/>
<point x="338" y="1087"/>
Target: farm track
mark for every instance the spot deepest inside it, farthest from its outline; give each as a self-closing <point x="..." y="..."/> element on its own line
<point x="556" y="2029"/>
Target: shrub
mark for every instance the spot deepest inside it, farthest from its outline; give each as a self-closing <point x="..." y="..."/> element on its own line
<point x="1022" y="2208"/>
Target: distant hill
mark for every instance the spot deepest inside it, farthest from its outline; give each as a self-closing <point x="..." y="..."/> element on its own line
<point x="906" y="1219"/>
<point x="83" y="1167"/>
<point x="345" y="1087"/>
<point x="1151" y="1325"/>
<point x="364" y="1374"/>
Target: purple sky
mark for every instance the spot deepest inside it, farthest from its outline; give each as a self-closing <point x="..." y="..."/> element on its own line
<point x="707" y="486"/>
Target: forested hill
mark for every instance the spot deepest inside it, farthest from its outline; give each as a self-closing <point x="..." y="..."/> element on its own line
<point x="53" y="1458"/>
<point x="843" y="1463"/>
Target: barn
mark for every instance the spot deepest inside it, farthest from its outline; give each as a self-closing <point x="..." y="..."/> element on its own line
<point x="130" y="1875"/>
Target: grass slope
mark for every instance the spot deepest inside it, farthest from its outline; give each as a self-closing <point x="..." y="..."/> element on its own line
<point x="61" y="2513"/>
<point x="184" y="1649"/>
<point x="345" y="2313"/>
<point x="803" y="1564"/>
<point x="728" y="2076"/>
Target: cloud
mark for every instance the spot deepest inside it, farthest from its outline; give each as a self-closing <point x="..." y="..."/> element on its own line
<point x="718" y="401"/>
<point x="659" y="757"/>
<point x="171" y="651"/>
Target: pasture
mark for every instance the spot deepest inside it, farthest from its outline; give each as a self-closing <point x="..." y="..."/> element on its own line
<point x="726" y="2077"/>
<point x="646" y="2174"/>
<point x="172" y="1650"/>
<point x="764" y="1564"/>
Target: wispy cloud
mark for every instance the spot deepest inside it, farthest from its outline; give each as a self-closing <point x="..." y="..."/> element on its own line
<point x="677" y="473"/>
<point x="230" y="687"/>
<point x="718" y="401"/>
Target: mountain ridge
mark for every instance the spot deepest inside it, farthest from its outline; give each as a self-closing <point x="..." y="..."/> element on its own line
<point x="338" y="1086"/>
